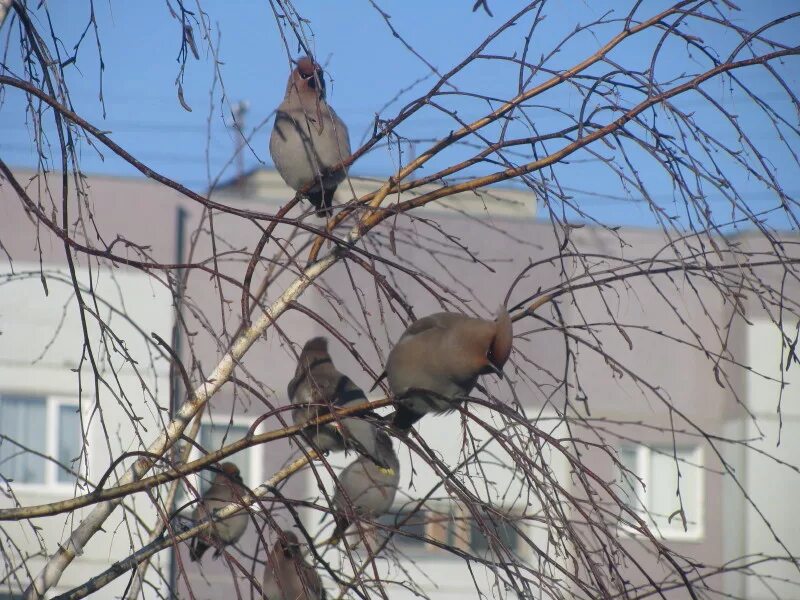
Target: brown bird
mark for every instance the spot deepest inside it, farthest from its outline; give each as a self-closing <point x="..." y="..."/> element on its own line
<point x="308" y="138"/>
<point x="316" y="387"/>
<point x="438" y="360"/>
<point x="287" y="576"/>
<point x="365" y="490"/>
<point x="226" y="487"/>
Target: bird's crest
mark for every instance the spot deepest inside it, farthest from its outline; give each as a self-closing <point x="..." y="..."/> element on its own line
<point x="230" y="469"/>
<point x="287" y="544"/>
<point x="311" y="74"/>
<point x="231" y="472"/>
<point x="317" y="344"/>
<point x="306" y="66"/>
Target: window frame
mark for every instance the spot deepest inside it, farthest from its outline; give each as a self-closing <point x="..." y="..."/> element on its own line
<point x="52" y="404"/>
<point x="673" y="530"/>
<point x="441" y="522"/>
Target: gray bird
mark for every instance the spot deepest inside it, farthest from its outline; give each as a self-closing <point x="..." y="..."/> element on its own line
<point x="365" y="490"/>
<point x="287" y="576"/>
<point x="444" y="354"/>
<point x="316" y="387"/>
<point x="308" y="138"/>
<point x="226" y="487"/>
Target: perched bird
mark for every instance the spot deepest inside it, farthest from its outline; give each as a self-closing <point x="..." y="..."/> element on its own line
<point x="316" y="387"/>
<point x="226" y="487"/>
<point x="444" y="354"/>
<point x="365" y="490"/>
<point x="308" y="138"/>
<point x="287" y="576"/>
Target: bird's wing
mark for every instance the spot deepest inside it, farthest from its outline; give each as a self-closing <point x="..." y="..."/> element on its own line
<point x="313" y="583"/>
<point x="346" y="392"/>
<point x="435" y="321"/>
<point x="292" y="387"/>
<point x="322" y="379"/>
<point x="440" y="320"/>
<point x="342" y="136"/>
<point x="380" y="378"/>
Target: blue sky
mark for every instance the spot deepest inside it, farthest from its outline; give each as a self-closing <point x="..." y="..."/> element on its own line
<point x="366" y="67"/>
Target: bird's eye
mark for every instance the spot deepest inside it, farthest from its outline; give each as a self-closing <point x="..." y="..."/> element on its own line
<point x="304" y="76"/>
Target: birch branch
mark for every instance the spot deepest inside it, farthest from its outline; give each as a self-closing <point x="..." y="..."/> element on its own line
<point x="4" y="6"/>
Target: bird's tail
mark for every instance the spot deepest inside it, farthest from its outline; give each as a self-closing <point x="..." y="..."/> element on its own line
<point x="380" y="378"/>
<point x="322" y="200"/>
<point x="341" y="524"/>
<point x="197" y="549"/>
<point x="404" y="418"/>
<point x="363" y="436"/>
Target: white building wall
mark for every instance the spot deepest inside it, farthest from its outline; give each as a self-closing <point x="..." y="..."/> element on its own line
<point x="40" y="349"/>
<point x="772" y="487"/>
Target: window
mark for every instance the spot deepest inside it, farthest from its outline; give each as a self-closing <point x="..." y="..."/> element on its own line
<point x="410" y="529"/>
<point x="496" y="532"/>
<point x="656" y="498"/>
<point x="39" y="425"/>
<point x="214" y="436"/>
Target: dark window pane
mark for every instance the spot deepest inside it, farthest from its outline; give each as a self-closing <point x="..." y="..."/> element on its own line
<point x="411" y="533"/>
<point x="495" y="533"/>
<point x="69" y="440"/>
<point x="23" y="419"/>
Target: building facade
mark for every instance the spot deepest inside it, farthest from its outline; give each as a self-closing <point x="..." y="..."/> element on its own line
<point x="47" y="387"/>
